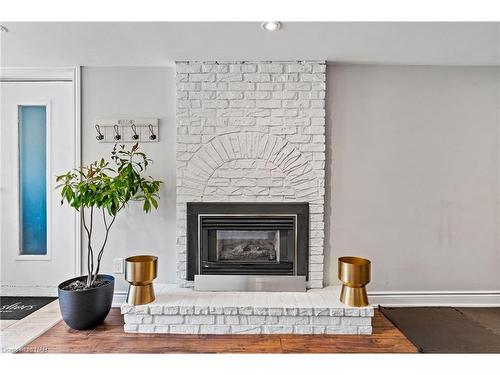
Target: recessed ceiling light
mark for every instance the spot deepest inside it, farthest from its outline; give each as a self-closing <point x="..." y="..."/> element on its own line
<point x="271" y="25"/>
<point x="3" y="29"/>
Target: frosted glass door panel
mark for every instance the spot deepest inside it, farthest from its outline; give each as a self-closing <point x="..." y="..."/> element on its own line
<point x="32" y="179"/>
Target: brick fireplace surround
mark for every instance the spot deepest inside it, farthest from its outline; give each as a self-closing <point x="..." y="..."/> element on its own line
<point x="250" y="132"/>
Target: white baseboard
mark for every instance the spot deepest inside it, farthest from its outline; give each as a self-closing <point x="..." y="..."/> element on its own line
<point x="437" y="298"/>
<point x="118" y="298"/>
<point x="49" y="291"/>
<point x="29" y="291"/>
<point x="425" y="298"/>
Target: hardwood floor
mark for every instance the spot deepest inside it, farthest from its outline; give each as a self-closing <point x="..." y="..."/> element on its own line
<point x="110" y="338"/>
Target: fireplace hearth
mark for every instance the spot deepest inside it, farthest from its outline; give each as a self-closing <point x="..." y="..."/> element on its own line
<point x="258" y="239"/>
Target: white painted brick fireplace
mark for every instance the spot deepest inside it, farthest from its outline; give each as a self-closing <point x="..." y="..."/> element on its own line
<point x="252" y="132"/>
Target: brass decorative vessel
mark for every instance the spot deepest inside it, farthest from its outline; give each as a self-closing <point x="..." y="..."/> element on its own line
<point x="140" y="271"/>
<point x="354" y="273"/>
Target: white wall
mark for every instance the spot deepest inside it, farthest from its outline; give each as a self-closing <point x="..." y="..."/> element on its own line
<point x="412" y="166"/>
<point x="413" y="175"/>
<point x="136" y="92"/>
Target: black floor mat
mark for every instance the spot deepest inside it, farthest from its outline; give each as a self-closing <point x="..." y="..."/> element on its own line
<point x="448" y="329"/>
<point x="488" y="317"/>
<point x="16" y="308"/>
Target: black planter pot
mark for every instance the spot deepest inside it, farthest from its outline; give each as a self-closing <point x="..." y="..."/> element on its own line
<point x="85" y="309"/>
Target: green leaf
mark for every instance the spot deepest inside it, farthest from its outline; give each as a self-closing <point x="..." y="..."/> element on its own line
<point x="98" y="185"/>
<point x="147" y="206"/>
<point x="154" y="202"/>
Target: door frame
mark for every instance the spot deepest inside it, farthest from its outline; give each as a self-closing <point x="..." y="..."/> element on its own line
<point x="56" y="74"/>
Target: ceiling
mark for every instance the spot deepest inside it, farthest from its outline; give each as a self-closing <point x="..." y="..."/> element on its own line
<point x="162" y="43"/>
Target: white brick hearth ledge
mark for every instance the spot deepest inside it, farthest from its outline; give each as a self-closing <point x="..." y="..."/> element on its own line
<point x="185" y="311"/>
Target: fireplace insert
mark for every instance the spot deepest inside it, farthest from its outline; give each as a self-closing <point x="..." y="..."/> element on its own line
<point x="247" y="239"/>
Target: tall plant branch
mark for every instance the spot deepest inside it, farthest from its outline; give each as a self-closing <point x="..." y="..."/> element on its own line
<point x="101" y="252"/>
<point x="90" y="252"/>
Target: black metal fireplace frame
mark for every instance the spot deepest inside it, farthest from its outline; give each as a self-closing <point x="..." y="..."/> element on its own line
<point x="299" y="211"/>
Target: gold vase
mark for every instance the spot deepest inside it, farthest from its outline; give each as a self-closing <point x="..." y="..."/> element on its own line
<point x="140" y="271"/>
<point x="354" y="273"/>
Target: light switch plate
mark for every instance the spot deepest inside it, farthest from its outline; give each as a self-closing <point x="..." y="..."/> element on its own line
<point x="118" y="265"/>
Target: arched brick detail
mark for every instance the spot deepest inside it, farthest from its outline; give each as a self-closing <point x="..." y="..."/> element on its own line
<point x="250" y="146"/>
<point x="241" y="120"/>
<point x="253" y="180"/>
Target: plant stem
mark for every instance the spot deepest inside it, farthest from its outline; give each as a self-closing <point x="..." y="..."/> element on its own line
<point x="101" y="252"/>
<point x="90" y="253"/>
<point x="91" y="250"/>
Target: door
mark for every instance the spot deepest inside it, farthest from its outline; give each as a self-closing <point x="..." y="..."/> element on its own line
<point x="38" y="140"/>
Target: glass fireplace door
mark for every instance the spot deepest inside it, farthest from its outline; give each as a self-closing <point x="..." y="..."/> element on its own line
<point x="253" y="245"/>
<point x="248" y="245"/>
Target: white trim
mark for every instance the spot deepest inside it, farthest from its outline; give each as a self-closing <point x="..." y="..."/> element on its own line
<point x="437" y="298"/>
<point x="29" y="291"/>
<point x="77" y="163"/>
<point x="38" y="74"/>
<point x="119" y="298"/>
<point x="400" y="299"/>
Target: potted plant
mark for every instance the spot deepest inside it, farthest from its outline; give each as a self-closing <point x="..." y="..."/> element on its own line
<point x="99" y="190"/>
